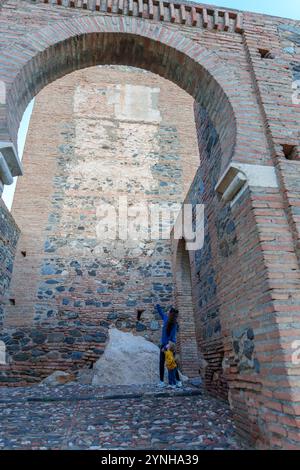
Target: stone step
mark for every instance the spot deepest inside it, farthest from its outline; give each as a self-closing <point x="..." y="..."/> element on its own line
<point x="77" y="392"/>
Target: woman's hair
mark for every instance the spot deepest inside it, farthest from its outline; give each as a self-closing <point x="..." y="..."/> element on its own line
<point x="172" y="319"/>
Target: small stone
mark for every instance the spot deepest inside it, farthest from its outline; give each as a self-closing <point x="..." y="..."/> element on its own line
<point x="21" y="357"/>
<point x="55" y="337"/>
<point x="289" y="50"/>
<point x="18" y="335"/>
<point x="75" y="333"/>
<point x="76" y="355"/>
<point x="59" y="378"/>
<point x="37" y="353"/>
<point x="154" y="325"/>
<point x="69" y="340"/>
<point x="248" y="349"/>
<point x="140" y="326"/>
<point x="53" y="355"/>
<point x="256" y="365"/>
<point x="236" y="347"/>
<point x="38" y="338"/>
<point x="112" y="316"/>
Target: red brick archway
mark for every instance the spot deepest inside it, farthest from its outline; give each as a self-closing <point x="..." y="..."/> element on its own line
<point x="54" y="51"/>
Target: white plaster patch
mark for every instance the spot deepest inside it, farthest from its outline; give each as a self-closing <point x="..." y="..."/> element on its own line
<point x="135" y="103"/>
<point x="119" y="157"/>
<point x="238" y="176"/>
<point x="123" y="102"/>
<point x="2" y="353"/>
<point x="259" y="175"/>
<point x="2" y="92"/>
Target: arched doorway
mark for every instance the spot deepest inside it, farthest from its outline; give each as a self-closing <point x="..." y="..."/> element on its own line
<point x="184" y="302"/>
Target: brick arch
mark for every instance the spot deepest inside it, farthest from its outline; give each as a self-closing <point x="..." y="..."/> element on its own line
<point x="52" y="52"/>
<point x="184" y="302"/>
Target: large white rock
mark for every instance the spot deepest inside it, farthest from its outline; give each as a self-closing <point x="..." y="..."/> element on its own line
<point x="127" y="359"/>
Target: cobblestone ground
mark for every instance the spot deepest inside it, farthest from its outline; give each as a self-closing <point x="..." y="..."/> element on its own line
<point x="136" y="417"/>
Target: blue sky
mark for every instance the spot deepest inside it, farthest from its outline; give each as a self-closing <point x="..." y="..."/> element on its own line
<point x="284" y="8"/>
<point x="8" y="192"/>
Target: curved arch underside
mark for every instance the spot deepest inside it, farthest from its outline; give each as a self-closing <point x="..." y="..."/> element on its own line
<point x="76" y="44"/>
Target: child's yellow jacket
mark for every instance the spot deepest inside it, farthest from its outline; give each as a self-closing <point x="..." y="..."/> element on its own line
<point x="170" y="360"/>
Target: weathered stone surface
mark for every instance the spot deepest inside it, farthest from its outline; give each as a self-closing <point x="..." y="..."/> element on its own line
<point x="244" y="350"/>
<point x="103" y="141"/>
<point x="9" y="234"/>
<point x="127" y="360"/>
<point x="85" y="376"/>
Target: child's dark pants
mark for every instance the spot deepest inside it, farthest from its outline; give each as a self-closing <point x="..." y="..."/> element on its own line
<point x="172" y="376"/>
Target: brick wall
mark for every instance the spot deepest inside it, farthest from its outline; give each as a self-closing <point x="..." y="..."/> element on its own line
<point x="238" y="289"/>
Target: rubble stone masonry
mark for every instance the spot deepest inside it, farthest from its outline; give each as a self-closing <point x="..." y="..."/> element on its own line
<point x="9" y="234"/>
<point x="103" y="133"/>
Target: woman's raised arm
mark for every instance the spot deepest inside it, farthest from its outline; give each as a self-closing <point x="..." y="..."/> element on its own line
<point x="161" y="312"/>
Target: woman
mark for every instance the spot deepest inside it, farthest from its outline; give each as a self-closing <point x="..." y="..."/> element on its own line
<point x="169" y="333"/>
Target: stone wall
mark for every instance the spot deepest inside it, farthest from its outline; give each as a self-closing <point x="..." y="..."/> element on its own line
<point x="103" y="133"/>
<point x="9" y="234"/>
